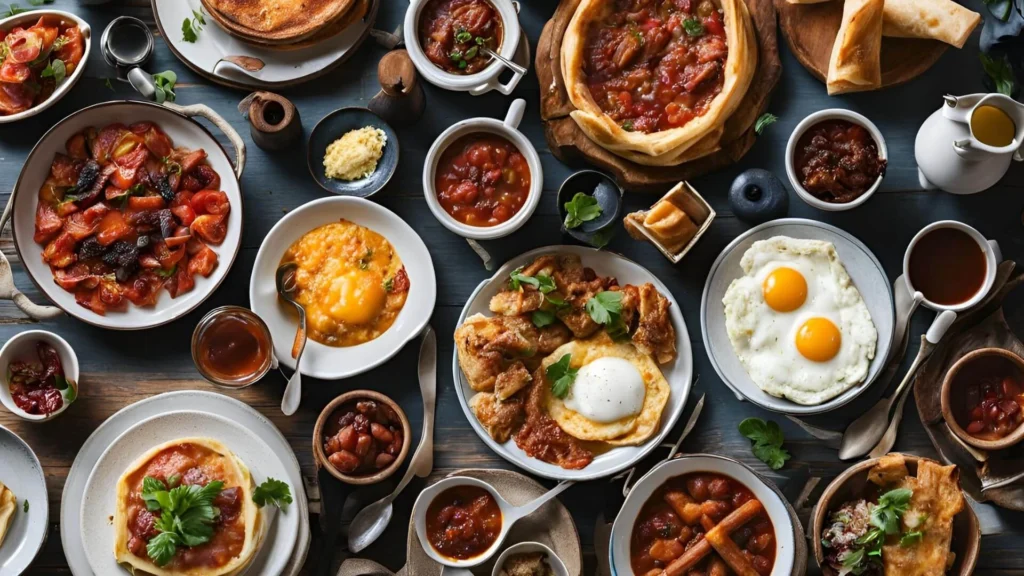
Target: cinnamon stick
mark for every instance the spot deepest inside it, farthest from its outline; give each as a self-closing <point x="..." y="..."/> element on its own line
<point x="728" y="525"/>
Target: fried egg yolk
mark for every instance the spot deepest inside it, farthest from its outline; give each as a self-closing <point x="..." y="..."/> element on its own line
<point x="818" y="339"/>
<point x="785" y="289"/>
<point x="356" y="297"/>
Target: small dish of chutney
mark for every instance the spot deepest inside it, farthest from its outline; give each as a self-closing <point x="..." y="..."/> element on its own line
<point x="231" y="347"/>
<point x="836" y="159"/>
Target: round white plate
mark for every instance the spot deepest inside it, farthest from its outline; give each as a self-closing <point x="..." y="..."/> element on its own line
<point x="22" y="473"/>
<point x="679" y="372"/>
<point x="283" y="67"/>
<point x="109" y="431"/>
<point x="865" y="270"/>
<point x="330" y="362"/>
<point x="100" y="500"/>
<point x="183" y="132"/>
<point x="622" y="529"/>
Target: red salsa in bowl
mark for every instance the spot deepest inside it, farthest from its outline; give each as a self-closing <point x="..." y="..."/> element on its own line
<point x="990" y="389"/>
<point x="452" y="33"/>
<point x="482" y="179"/>
<point x="40" y="389"/>
<point x="837" y="161"/>
<point x="463" y="522"/>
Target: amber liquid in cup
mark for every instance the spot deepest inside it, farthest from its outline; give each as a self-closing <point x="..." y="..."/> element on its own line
<point x="231" y="347"/>
<point x="948" y="266"/>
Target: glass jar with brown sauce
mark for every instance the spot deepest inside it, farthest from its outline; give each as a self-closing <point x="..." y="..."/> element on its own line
<point x="231" y="347"/>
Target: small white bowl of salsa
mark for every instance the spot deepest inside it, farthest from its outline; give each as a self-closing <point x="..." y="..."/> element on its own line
<point x="482" y="178"/>
<point x="38" y="375"/>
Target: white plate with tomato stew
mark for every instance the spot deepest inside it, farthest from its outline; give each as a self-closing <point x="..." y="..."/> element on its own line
<point x="366" y="281"/>
<point x="676" y="506"/>
<point x="100" y="497"/>
<point x="34" y="43"/>
<point x="159" y="213"/>
<point x="22" y="474"/>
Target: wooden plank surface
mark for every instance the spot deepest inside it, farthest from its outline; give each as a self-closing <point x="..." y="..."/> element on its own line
<point x="120" y="368"/>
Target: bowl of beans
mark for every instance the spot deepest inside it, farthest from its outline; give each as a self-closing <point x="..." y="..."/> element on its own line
<point x="983" y="398"/>
<point x="361" y="437"/>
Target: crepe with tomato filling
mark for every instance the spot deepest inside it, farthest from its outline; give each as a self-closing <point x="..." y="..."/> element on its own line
<point x="238" y="527"/>
<point x="8" y="504"/>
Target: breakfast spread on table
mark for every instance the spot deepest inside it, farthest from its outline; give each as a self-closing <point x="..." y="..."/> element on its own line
<point x="570" y="361"/>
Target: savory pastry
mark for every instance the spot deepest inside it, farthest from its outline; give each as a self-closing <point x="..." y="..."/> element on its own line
<point x="856" y="63"/>
<point x="570" y="357"/>
<point x="942" y="20"/>
<point x="355" y="154"/>
<point x="617" y="396"/>
<point x="797" y="322"/>
<point x="351" y="281"/>
<point x="667" y="223"/>
<point x="214" y="531"/>
<point x="277" y="21"/>
<point x="907" y="529"/>
<point x="655" y="81"/>
<point x="8" y="506"/>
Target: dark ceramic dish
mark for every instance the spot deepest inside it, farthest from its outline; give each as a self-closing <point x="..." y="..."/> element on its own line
<point x="609" y="198"/>
<point x="334" y="126"/>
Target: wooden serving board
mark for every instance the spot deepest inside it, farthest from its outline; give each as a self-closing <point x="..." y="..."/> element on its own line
<point x="981" y="327"/>
<point x="810" y="30"/>
<point x="568" y="143"/>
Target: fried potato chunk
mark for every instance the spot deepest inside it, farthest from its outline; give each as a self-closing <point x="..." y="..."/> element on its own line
<point x="512" y="380"/>
<point x="499" y="418"/>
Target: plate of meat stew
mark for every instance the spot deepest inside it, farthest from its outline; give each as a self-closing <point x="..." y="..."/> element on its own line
<point x="705" y="513"/>
<point x="153" y="230"/>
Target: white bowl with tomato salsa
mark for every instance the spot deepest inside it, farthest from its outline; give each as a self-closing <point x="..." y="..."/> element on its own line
<point x="23" y="348"/>
<point x="858" y="195"/>
<point x="32" y="49"/>
<point x="482" y="178"/>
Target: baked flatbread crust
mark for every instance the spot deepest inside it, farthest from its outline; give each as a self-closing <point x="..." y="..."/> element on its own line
<point x="277" y="21"/>
<point x="697" y="138"/>
<point x="236" y="474"/>
<point x="856" y="62"/>
<point x="942" y="20"/>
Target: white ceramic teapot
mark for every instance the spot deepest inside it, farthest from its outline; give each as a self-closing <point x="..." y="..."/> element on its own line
<point x="951" y="158"/>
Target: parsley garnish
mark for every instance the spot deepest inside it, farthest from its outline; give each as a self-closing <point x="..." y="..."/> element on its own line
<point x="541" y="282"/>
<point x="1000" y="72"/>
<point x="628" y="126"/>
<point x="561" y="376"/>
<point x="14" y="10"/>
<point x="767" y="438"/>
<point x="911" y="538"/>
<point x="56" y="70"/>
<point x="763" y="121"/>
<point x="582" y="208"/>
<point x="167" y="273"/>
<point x="186" y="516"/>
<point x="542" y="318"/>
<point x="165" y="82"/>
<point x="460" y="57"/>
<point x="364" y="262"/>
<point x="191" y="27"/>
<point x="389" y="284"/>
<point x="605" y="307"/>
<point x="273" y="492"/>
<point x="693" y="27"/>
<point x="24" y="506"/>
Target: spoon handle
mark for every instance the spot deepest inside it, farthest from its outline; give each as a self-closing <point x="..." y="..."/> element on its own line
<point x="531" y="507"/>
<point x="423" y="459"/>
<point x="508" y="63"/>
<point x="293" y="391"/>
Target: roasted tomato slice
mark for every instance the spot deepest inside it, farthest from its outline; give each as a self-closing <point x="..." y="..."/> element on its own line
<point x="60" y="252"/>
<point x="81" y="225"/>
<point x="191" y="160"/>
<point x="76" y="147"/>
<point x="203" y="262"/>
<point x="144" y="290"/>
<point x="90" y="299"/>
<point x="157" y="142"/>
<point x="48" y="223"/>
<point x="210" y="228"/>
<point x="134" y="158"/>
<point x="166" y="256"/>
<point x="14" y="72"/>
<point x="182" y="280"/>
<point x="211" y="202"/>
<point x="15" y="98"/>
<point x="113" y="227"/>
<point x="103" y="144"/>
<point x="72" y="51"/>
<point x="141" y="203"/>
<point x="24" y="46"/>
<point x="65" y="170"/>
<point x="185" y="214"/>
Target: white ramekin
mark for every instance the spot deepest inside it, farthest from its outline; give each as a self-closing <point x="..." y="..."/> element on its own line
<point x="806" y="124"/>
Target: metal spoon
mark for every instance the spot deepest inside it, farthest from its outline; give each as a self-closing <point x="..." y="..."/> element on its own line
<point x="508" y="63"/>
<point x="285" y="280"/>
<point x="371" y="521"/>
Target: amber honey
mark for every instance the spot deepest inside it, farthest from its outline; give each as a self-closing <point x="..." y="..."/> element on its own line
<point x="990" y="125"/>
<point x="231" y="347"/>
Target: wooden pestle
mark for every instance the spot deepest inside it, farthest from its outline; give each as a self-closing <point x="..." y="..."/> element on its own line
<point x="400" y="101"/>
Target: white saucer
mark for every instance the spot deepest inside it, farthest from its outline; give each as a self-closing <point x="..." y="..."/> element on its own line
<point x="22" y="473"/>
<point x="109" y="431"/>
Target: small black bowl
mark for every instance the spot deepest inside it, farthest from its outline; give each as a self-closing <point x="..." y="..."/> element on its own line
<point x="609" y="198"/>
<point x="334" y="126"/>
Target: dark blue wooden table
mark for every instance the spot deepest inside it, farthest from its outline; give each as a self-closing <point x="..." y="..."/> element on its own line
<point x="122" y="367"/>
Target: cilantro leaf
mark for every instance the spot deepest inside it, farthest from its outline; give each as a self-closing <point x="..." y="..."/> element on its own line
<point x="582" y="208"/>
<point x="601" y="238"/>
<point x="911" y="538"/>
<point x="542" y="318"/>
<point x="767" y="441"/>
<point x="191" y="27"/>
<point x="186" y="515"/>
<point x="56" y="70"/>
<point x="603" y="305"/>
<point x="545" y="283"/>
<point x="150" y="487"/>
<point x="24" y="506"/>
<point x="628" y="126"/>
<point x="763" y="121"/>
<point x="562" y="376"/>
<point x="161" y="548"/>
<point x="165" y="82"/>
<point x="14" y="10"/>
<point x="693" y="27"/>
<point x="516" y="280"/>
<point x="1000" y="71"/>
<point x="167" y="273"/>
<point x="274" y="492"/>
<point x="853" y="557"/>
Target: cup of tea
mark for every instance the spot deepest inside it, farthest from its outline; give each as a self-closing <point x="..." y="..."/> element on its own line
<point x="951" y="264"/>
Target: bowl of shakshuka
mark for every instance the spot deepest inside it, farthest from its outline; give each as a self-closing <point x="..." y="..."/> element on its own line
<point x="482" y="177"/>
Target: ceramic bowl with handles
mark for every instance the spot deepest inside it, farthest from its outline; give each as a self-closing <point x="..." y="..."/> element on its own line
<point x="481" y="82"/>
<point x="508" y="129"/>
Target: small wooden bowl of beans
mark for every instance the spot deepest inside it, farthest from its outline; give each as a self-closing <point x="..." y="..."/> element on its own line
<point x="361" y="437"/>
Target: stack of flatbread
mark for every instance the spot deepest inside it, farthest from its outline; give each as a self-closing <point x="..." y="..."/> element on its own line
<point x="285" y="24"/>
<point x="8" y="503"/>
<point x="856" y="55"/>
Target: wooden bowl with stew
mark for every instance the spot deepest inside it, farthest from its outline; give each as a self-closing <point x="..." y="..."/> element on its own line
<point x="705" y="513"/>
<point x="823" y="140"/>
<point x="482" y="177"/>
<point x="983" y="398"/>
<point x="854" y="485"/>
<point x="361" y="437"/>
